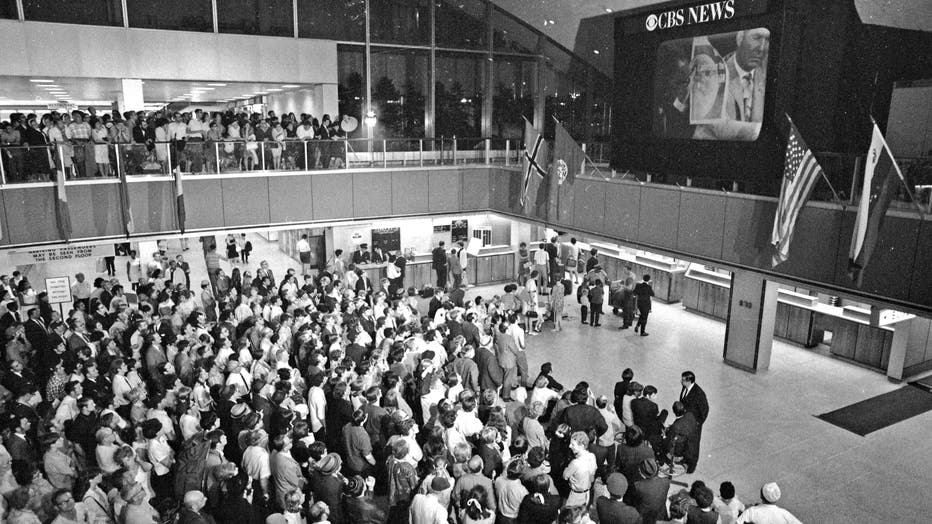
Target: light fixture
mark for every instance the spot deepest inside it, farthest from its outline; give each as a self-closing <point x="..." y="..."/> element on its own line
<point x="608" y="10"/>
<point x="202" y="88"/>
<point x="596" y="51"/>
<point x="370" y="118"/>
<point x="218" y="84"/>
<point x="274" y="90"/>
<point x="47" y="87"/>
<point x="289" y="86"/>
<point x="40" y="80"/>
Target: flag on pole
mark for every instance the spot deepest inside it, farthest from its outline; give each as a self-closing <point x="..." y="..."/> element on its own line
<point x="878" y="190"/>
<point x="62" y="213"/>
<point x="800" y="173"/>
<point x="179" y="200"/>
<point x="534" y="155"/>
<point x="568" y="157"/>
<point x="128" y="225"/>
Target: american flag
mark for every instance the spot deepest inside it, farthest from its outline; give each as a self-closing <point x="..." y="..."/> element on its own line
<point x="800" y="172"/>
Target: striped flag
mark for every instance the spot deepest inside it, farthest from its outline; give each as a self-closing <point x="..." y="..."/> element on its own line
<point x="534" y="155"/>
<point x="179" y="200"/>
<point x="128" y="225"/>
<point x="878" y="190"/>
<point x="62" y="213"/>
<point x="800" y="173"/>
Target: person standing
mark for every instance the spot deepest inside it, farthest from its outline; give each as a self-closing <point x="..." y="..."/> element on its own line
<point x="556" y="304"/>
<point x="462" y="255"/>
<point x="642" y="292"/>
<point x="439" y="259"/>
<point x="212" y="260"/>
<point x="694" y="401"/>
<point x="453" y="262"/>
<point x="572" y="260"/>
<point x="303" y="247"/>
<point x="596" y="298"/>
<point x="768" y="511"/>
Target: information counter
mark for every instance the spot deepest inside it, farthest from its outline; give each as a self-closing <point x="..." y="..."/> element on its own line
<point x="706" y="292"/>
<point x="493" y="264"/>
<point x="666" y="274"/>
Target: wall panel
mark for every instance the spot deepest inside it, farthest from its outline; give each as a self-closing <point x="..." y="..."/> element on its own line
<point x="746" y="233"/>
<point x="95" y="210"/>
<point x="589" y="204"/>
<point x="409" y="192"/>
<point x="203" y="204"/>
<point x="291" y="199"/>
<point x="920" y="289"/>
<point x="659" y="216"/>
<point x="475" y="188"/>
<point x="814" y="246"/>
<point x="888" y="272"/>
<point x="245" y="201"/>
<point x="444" y="191"/>
<point x="153" y="205"/>
<point x="30" y="214"/>
<point x="332" y="196"/>
<point x="622" y="208"/>
<point x="700" y="225"/>
<point x="372" y="194"/>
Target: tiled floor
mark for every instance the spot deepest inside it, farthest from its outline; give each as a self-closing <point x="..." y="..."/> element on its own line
<point x="761" y="427"/>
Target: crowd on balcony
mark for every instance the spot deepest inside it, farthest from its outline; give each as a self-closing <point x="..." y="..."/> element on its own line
<point x="86" y="144"/>
<point x="270" y="396"/>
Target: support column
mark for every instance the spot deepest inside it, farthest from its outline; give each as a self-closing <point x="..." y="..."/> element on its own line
<point x="325" y="100"/>
<point x="752" y="310"/>
<point x="131" y="98"/>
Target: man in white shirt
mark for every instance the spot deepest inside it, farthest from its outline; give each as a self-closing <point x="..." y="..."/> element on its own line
<point x="303" y="247"/>
<point x="256" y="462"/>
<point x="316" y="404"/>
<point x="82" y="289"/>
<point x="426" y="508"/>
<point x="542" y="263"/>
<point x="768" y="512"/>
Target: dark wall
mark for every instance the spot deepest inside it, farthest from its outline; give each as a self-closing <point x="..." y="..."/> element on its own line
<point x="826" y="69"/>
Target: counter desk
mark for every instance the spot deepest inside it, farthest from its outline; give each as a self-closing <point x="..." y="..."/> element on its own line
<point x="493" y="264"/>
<point x="666" y="275"/>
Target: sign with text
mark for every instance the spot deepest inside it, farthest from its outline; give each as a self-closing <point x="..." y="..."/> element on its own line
<point x="696" y="14"/>
<point x="59" y="290"/>
<point x="55" y="254"/>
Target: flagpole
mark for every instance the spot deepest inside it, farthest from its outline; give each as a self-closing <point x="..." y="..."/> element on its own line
<point x="899" y="173"/>
<point x="844" y="205"/>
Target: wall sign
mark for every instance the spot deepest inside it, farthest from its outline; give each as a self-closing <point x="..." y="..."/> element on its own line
<point x="460" y="231"/>
<point x="39" y="256"/>
<point x="701" y="13"/>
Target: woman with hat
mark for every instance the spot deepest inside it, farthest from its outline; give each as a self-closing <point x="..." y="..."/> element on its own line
<point x="327" y="484"/>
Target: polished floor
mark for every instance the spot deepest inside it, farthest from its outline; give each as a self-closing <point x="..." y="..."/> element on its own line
<point x="760" y="428"/>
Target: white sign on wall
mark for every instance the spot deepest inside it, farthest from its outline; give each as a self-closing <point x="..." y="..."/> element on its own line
<point x="54" y="254"/>
<point x="59" y="289"/>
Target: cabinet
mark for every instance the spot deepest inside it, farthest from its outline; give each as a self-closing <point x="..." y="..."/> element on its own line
<point x="707" y="293"/>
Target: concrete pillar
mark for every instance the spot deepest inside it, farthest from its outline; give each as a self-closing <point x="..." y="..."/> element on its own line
<point x="327" y="102"/>
<point x="131" y="98"/>
<point x="752" y="310"/>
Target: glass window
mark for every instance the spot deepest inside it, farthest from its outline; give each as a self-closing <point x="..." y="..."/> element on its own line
<point x="256" y="17"/>
<point x="180" y="15"/>
<point x="459" y="92"/>
<point x="8" y="9"/>
<point x="351" y="87"/>
<point x="399" y="91"/>
<point x="461" y="23"/>
<point x="511" y="36"/>
<point x="400" y="21"/>
<point x="565" y="88"/>
<point x="87" y="12"/>
<point x="332" y="19"/>
<point x="514" y="84"/>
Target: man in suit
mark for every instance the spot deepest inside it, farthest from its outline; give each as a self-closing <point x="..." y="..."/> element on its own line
<point x="650" y="493"/>
<point x="744" y="96"/>
<point x="11" y="317"/>
<point x="435" y="303"/>
<point x="362" y="255"/>
<point x="694" y="400"/>
<point x="439" y="264"/>
<point x="648" y="417"/>
<point x="671" y="115"/>
<point x="363" y="283"/>
<point x="683" y="437"/>
<point x="490" y="372"/>
<point x="643" y="291"/>
<point x="471" y="330"/>
<point x="506" y="351"/>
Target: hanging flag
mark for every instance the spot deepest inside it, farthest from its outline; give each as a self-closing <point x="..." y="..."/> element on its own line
<point x="879" y="188"/>
<point x="179" y="200"/>
<point x="535" y="155"/>
<point x="800" y="173"/>
<point x="128" y="225"/>
<point x="568" y="158"/>
<point x="62" y="213"/>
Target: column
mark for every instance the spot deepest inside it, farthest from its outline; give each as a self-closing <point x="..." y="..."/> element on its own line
<point x="752" y="310"/>
<point x="130" y="98"/>
<point x="325" y="101"/>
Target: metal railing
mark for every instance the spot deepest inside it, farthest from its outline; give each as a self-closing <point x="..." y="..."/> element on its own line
<point x="85" y="160"/>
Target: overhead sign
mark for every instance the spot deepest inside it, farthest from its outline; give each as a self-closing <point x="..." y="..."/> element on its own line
<point x="688" y="15"/>
<point x="356" y="238"/>
<point x="55" y="254"/>
<point x="58" y="289"/>
<point x="62" y="106"/>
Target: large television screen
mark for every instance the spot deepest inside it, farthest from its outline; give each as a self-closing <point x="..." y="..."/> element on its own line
<point x="711" y="87"/>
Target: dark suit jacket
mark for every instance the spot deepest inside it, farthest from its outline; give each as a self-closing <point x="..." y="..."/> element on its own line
<point x="490" y="372"/>
<point x="651" y="498"/>
<point x="439" y="258"/>
<point x="696" y="403"/>
<point x="7" y="320"/>
<point x="685" y="432"/>
<point x="20" y="448"/>
<point x="646" y="416"/>
<point x="36" y="335"/>
<point x="471" y="334"/>
<point x="363" y="283"/>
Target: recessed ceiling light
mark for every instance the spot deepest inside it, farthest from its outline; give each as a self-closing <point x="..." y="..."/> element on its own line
<point x="41" y="80"/>
<point x="217" y="84"/>
<point x="203" y="88"/>
<point x="288" y="86"/>
<point x="49" y="87"/>
<point x="596" y="51"/>
<point x="274" y="89"/>
<point x="608" y="9"/>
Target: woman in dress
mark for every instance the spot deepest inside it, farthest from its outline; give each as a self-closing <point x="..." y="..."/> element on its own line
<point x="101" y="150"/>
<point x="232" y="253"/>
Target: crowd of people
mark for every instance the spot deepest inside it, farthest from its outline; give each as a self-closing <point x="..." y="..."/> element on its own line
<point x="305" y="398"/>
<point x="81" y="143"/>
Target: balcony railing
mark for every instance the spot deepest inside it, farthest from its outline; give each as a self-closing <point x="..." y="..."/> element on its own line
<point x="24" y="164"/>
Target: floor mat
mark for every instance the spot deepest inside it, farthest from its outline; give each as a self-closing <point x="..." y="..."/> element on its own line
<point x="881" y="411"/>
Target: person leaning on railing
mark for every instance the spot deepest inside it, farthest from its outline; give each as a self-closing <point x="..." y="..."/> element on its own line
<point x="10" y="141"/>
